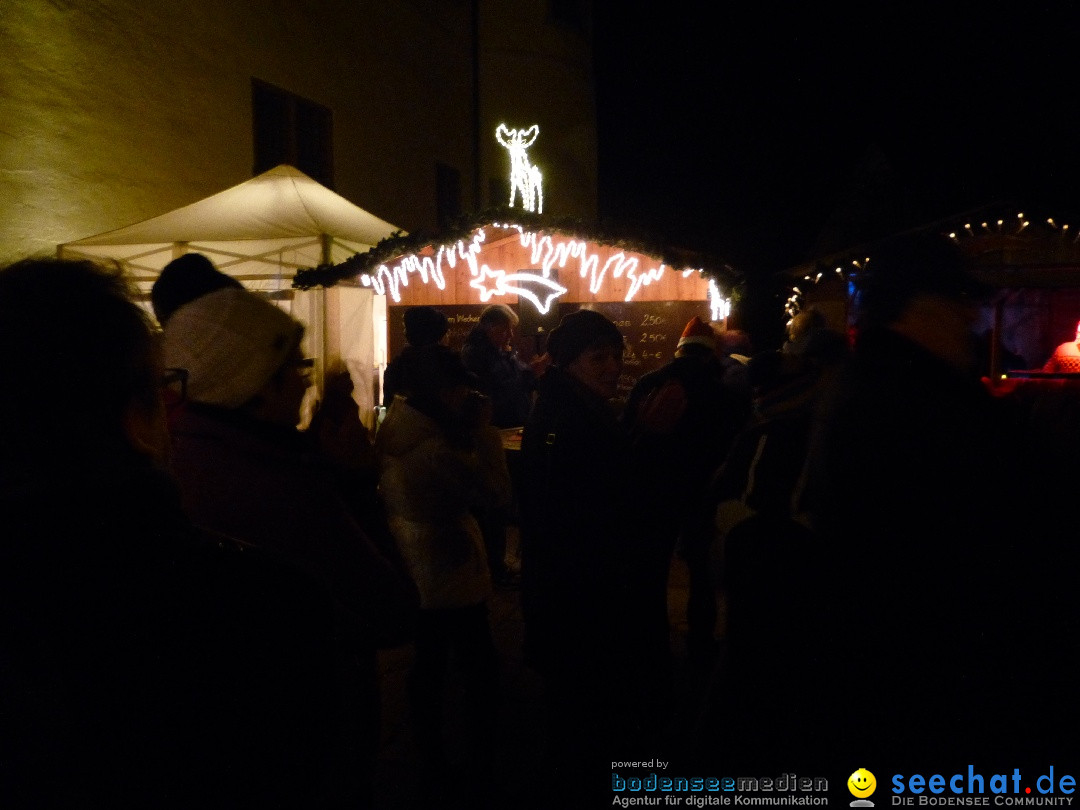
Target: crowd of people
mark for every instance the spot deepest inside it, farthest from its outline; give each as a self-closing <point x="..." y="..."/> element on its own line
<point x="195" y="589"/>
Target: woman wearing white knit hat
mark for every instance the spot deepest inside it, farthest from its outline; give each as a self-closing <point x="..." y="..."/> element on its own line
<point x="246" y="471"/>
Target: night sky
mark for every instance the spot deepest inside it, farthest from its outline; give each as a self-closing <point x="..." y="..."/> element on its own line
<point x="768" y="136"/>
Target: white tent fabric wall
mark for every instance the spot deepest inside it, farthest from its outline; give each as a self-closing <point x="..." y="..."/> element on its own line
<point x="261" y="231"/>
<point x="356" y="326"/>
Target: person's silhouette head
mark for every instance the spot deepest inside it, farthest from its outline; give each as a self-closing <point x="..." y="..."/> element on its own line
<point x="183" y="280"/>
<point x="81" y="373"/>
<point x="425" y="326"/>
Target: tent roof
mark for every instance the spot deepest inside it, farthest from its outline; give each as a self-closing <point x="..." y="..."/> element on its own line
<point x="261" y="231"/>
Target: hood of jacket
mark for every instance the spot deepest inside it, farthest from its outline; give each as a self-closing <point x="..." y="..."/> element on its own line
<point x="429" y="486"/>
<point x="404" y="429"/>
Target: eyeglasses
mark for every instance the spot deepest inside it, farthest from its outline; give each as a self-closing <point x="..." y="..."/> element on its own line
<point x="174" y="385"/>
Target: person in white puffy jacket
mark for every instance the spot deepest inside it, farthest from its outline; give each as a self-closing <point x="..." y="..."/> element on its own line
<point x="439" y="458"/>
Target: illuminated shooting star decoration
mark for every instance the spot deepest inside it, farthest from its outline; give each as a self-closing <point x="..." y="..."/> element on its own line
<point x="546" y="289"/>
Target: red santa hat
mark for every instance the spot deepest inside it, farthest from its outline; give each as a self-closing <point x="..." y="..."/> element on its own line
<point x="697" y="331"/>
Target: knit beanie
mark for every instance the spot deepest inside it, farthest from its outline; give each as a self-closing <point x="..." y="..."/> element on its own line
<point x="697" y="331"/>
<point x="578" y="331"/>
<point x="425" y="325"/>
<point x="183" y="280"/>
<point x="231" y="342"/>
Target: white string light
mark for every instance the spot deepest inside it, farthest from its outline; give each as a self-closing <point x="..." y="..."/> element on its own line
<point x="989" y="228"/>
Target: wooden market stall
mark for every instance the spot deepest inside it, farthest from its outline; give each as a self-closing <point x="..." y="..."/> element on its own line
<point x="542" y="271"/>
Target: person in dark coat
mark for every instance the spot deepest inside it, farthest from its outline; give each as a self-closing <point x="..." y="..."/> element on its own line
<point x="682" y="419"/>
<point x="579" y="548"/>
<point x="933" y="570"/>
<point x="146" y="663"/>
<point x="763" y="560"/>
<point x="489" y="354"/>
<point x="509" y="383"/>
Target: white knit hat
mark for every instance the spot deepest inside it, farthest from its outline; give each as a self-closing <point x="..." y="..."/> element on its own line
<point x="231" y="342"/>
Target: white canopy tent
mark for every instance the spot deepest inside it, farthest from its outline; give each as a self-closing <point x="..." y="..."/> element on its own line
<point x="261" y="231"/>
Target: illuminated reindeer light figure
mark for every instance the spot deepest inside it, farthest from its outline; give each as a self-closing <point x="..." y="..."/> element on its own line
<point x="524" y="177"/>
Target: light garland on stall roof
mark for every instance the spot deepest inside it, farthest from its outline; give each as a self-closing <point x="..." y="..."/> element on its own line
<point x="547" y="253"/>
<point x="794" y="302"/>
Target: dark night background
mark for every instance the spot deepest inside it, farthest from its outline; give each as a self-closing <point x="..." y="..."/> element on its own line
<point x="766" y="136"/>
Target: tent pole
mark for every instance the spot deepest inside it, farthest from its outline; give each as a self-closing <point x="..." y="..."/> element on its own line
<point x="327" y="242"/>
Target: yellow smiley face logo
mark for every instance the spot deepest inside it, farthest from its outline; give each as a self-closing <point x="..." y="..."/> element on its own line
<point x="861" y="783"/>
